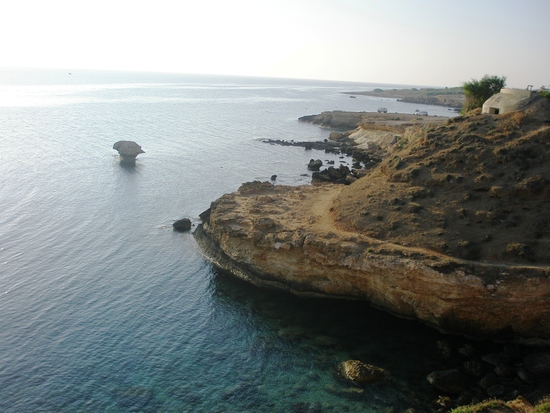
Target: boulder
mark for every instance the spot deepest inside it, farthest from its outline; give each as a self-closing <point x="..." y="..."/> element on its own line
<point x="182" y="225"/>
<point x="340" y="175"/>
<point x="538" y="364"/>
<point x="449" y="381"/>
<point x="314" y="165"/>
<point x="488" y="380"/>
<point x="496" y="390"/>
<point x="128" y="150"/>
<point x="361" y="373"/>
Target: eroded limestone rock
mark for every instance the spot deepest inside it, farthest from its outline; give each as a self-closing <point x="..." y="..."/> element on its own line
<point x="128" y="151"/>
<point x="301" y="241"/>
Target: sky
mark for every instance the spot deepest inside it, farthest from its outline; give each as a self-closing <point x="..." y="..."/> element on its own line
<point x="411" y="42"/>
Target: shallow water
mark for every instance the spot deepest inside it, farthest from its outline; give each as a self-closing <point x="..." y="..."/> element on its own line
<point x="105" y="308"/>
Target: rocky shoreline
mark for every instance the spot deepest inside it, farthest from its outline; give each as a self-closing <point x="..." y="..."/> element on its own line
<point x="263" y="234"/>
<point x="338" y="242"/>
<point x="258" y="249"/>
<point x="451" y="97"/>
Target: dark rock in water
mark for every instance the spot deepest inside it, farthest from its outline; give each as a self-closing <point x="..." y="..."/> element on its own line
<point x="314" y="164"/>
<point x="361" y="373"/>
<point x="128" y="150"/>
<point x="340" y="175"/>
<point x="182" y="225"/>
<point x="449" y="381"/>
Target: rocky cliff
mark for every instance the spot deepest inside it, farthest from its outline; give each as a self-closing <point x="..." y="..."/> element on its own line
<point x="452" y="229"/>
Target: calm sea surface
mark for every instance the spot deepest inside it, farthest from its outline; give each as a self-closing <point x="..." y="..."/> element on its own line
<point x="104" y="308"/>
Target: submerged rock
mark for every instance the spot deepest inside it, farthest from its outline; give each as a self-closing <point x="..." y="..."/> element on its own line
<point x="449" y="381"/>
<point x="361" y="373"/>
<point x="128" y="151"/>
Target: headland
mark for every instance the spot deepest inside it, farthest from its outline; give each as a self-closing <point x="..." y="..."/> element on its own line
<point x="451" y="227"/>
<point x="451" y="97"/>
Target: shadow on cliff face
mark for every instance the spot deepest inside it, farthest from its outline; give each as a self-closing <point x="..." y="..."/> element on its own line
<point x="309" y="334"/>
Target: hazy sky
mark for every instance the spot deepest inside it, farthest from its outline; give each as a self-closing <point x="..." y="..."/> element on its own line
<point x="419" y="42"/>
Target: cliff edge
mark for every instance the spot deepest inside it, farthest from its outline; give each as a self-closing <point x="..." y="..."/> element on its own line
<point x="452" y="228"/>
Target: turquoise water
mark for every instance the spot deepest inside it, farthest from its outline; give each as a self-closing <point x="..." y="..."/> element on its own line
<point x="106" y="309"/>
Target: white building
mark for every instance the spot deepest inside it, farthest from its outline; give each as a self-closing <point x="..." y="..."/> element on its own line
<point x="507" y="100"/>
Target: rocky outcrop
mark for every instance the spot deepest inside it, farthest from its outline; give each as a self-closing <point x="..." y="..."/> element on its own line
<point x="284" y="237"/>
<point x="335" y="120"/>
<point x="128" y="151"/>
<point x="340" y="175"/>
<point x="451" y="229"/>
<point x="314" y="164"/>
<point x="346" y="121"/>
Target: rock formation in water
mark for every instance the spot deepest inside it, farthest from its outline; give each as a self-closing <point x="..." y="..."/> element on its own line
<point x="182" y="225"/>
<point x="314" y="164"/>
<point x="128" y="151"/>
<point x="452" y="228"/>
<point x="360" y="373"/>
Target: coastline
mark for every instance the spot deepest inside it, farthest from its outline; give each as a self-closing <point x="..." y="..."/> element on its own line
<point x="284" y="237"/>
<point x="449" y="97"/>
<point x="397" y="237"/>
<point x="290" y="236"/>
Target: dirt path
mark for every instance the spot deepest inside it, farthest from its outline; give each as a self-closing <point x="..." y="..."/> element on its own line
<point x="321" y="209"/>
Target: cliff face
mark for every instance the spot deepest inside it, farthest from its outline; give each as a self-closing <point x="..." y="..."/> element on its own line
<point x="328" y="240"/>
<point x="282" y="237"/>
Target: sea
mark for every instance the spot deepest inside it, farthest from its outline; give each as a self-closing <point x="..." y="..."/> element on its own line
<point x="105" y="308"/>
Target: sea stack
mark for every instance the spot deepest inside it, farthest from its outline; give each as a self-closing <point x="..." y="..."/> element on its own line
<point x="128" y="150"/>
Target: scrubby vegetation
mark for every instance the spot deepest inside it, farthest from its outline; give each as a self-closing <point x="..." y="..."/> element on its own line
<point x="478" y="91"/>
<point x="474" y="188"/>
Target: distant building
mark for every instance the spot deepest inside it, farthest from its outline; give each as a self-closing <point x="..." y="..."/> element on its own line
<point x="507" y="100"/>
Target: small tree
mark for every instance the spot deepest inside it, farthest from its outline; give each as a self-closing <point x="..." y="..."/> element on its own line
<point x="478" y="91"/>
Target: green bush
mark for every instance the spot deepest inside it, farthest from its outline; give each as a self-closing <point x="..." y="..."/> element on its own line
<point x="478" y="91"/>
<point x="543" y="406"/>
